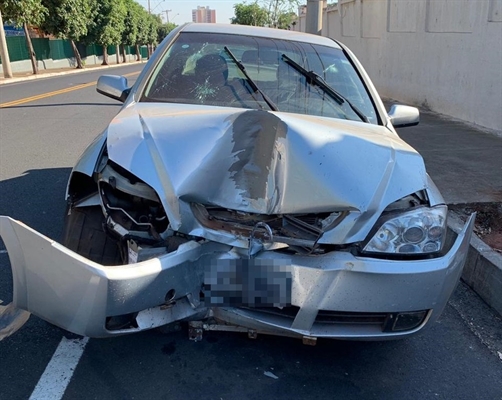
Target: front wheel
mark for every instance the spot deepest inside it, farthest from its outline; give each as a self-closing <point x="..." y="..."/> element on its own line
<point x="84" y="233"/>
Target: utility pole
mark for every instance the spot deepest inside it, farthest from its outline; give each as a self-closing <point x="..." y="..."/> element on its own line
<point x="4" y="52"/>
<point x="149" y="8"/>
<point x="314" y="16"/>
<point x="167" y="15"/>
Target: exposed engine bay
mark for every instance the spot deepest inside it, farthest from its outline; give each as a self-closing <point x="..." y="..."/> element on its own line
<point x="136" y="217"/>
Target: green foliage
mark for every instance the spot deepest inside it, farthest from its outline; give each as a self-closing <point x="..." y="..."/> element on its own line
<point x="108" y="22"/>
<point x="154" y="22"/>
<point x="31" y="12"/>
<point x="131" y="23"/>
<point x="286" y="19"/>
<point x="104" y="22"/>
<point x="143" y="28"/>
<point x="68" y="19"/>
<point x="249" y="14"/>
<point x="279" y="11"/>
<point x="164" y="30"/>
<point x="273" y="13"/>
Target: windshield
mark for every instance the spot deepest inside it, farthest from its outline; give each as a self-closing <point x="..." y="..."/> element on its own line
<point x="197" y="69"/>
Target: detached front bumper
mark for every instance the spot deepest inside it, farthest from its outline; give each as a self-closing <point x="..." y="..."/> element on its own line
<point x="79" y="295"/>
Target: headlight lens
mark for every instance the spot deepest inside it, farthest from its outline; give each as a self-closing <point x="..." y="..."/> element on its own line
<point x="419" y="231"/>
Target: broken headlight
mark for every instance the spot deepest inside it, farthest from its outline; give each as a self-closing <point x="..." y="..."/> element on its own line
<point x="419" y="231"/>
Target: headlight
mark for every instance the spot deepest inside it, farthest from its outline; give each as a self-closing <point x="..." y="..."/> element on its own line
<point x="419" y="231"/>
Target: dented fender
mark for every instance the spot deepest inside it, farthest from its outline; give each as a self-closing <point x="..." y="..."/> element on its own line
<point x="87" y="161"/>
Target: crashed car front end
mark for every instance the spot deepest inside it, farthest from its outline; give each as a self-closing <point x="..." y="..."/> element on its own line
<point x="334" y="295"/>
<point x="302" y="214"/>
<point x="324" y="268"/>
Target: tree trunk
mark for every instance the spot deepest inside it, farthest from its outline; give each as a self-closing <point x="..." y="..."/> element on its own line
<point x="80" y="65"/>
<point x="124" y="55"/>
<point x="29" y="45"/>
<point x="276" y="13"/>
<point x="105" y="55"/>
<point x="117" y="53"/>
<point x="4" y="52"/>
<point x="138" y="53"/>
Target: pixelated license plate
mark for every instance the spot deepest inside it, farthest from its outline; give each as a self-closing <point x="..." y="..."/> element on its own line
<point x="250" y="283"/>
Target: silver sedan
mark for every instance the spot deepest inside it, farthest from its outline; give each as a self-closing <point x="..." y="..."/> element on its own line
<point x="252" y="181"/>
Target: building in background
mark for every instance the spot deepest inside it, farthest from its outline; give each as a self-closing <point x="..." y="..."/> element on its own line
<point x="204" y="14"/>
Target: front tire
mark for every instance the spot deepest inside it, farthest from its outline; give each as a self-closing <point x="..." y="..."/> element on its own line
<point x="84" y="233"/>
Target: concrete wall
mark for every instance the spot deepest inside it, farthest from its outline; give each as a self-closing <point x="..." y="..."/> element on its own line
<point x="442" y="54"/>
<point x="25" y="65"/>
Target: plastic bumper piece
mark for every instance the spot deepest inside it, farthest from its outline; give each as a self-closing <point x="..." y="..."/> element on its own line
<point x="79" y="295"/>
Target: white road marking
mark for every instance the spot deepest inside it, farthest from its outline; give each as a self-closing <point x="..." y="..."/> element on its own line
<point x="58" y="373"/>
<point x="3" y="251"/>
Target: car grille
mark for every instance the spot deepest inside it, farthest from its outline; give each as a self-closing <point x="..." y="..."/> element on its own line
<point x="328" y="317"/>
<point x="343" y="320"/>
<point x="299" y="230"/>
<point x="338" y="317"/>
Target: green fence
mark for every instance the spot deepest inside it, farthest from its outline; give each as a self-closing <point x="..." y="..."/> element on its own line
<point x="58" y="49"/>
<point x="17" y="48"/>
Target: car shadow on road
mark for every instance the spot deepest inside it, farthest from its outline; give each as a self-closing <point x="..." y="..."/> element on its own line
<point x="37" y="199"/>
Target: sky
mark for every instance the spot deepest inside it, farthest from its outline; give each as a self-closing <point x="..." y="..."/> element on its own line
<point x="181" y="11"/>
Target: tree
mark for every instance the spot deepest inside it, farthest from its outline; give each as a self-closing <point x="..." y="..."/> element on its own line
<point x="131" y="26"/>
<point x="108" y="24"/>
<point x="143" y="31"/>
<point x="24" y="13"/>
<point x="153" y="26"/>
<point x="286" y="19"/>
<point x="278" y="11"/>
<point x="164" y="30"/>
<point x="68" y="19"/>
<point x="249" y="14"/>
<point x="273" y="13"/>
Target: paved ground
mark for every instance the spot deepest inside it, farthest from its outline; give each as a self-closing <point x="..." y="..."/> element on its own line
<point x="465" y="163"/>
<point x="455" y="359"/>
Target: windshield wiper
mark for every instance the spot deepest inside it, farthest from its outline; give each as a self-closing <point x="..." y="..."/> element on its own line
<point x="314" y="79"/>
<point x="252" y="83"/>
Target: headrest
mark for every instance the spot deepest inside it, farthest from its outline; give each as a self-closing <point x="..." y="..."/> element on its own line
<point x="211" y="65"/>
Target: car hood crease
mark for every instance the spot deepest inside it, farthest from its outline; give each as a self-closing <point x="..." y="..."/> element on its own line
<point x="263" y="162"/>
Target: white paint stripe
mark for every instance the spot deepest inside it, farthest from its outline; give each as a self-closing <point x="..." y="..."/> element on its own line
<point x="3" y="251"/>
<point x="58" y="373"/>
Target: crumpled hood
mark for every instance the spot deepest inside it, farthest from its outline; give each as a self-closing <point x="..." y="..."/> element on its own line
<point x="262" y="162"/>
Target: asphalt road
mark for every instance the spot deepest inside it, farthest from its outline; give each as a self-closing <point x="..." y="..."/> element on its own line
<point x="40" y="141"/>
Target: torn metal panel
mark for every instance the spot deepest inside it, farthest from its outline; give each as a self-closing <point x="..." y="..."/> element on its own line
<point x="87" y="161"/>
<point x="257" y="138"/>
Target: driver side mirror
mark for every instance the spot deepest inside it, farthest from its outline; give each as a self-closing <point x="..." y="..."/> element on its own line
<point x="113" y="86"/>
<point x="403" y="116"/>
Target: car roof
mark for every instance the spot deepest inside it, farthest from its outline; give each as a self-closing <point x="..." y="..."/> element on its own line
<point x="246" y="30"/>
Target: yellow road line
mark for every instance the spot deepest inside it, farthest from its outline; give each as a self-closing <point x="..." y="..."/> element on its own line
<point x="54" y="93"/>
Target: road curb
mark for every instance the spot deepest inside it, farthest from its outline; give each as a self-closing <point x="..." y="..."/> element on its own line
<point x="4" y="81"/>
<point x="483" y="267"/>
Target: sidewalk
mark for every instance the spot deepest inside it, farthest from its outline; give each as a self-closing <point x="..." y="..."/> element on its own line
<point x="465" y="162"/>
<point x="47" y="73"/>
